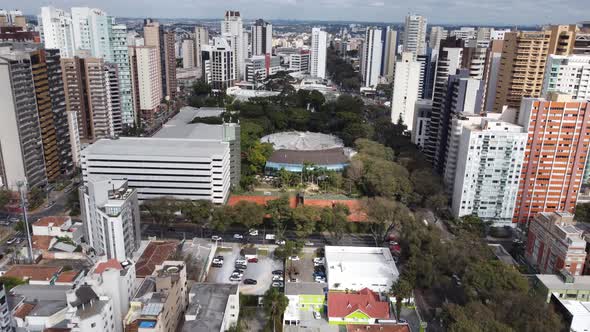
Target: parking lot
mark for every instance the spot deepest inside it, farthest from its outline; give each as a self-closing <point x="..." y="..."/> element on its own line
<point x="261" y="271"/>
<point x="301" y="269"/>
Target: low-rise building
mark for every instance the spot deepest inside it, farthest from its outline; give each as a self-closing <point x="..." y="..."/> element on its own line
<point x="554" y="243"/>
<point x="38" y="307"/>
<point x="153" y="254"/>
<point x="212" y="307"/>
<point x="563" y="285"/>
<point x="259" y="67"/>
<point x="356" y="268"/>
<point x="305" y="298"/>
<point x="35" y="274"/>
<point x="88" y="312"/>
<point x="363" y="307"/>
<point x="575" y="314"/>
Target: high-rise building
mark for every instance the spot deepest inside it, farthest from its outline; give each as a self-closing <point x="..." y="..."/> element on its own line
<point x="5" y="315"/>
<point x="415" y="34"/>
<point x="464" y="33"/>
<point x="389" y="54"/>
<point x="57" y="31"/>
<point x="490" y="74"/>
<point x="371" y="57"/>
<point x="218" y="64"/>
<point x="405" y="90"/>
<point x="555" y="154"/>
<point x="319" y="46"/>
<point x="569" y="75"/>
<point x="582" y="42"/>
<point x="232" y="30"/>
<point x="170" y="65"/>
<point x="91" y="32"/>
<point x="110" y="211"/>
<point x="474" y="58"/>
<point x="261" y="38"/>
<point x="146" y="81"/>
<point x="483" y="165"/>
<point x="201" y="39"/>
<point x="449" y="61"/>
<point x="85" y="310"/>
<point x="119" y="55"/>
<point x="111" y="72"/>
<point x="163" y="41"/>
<point x="13" y="18"/>
<point x="21" y="151"/>
<point x="522" y="65"/>
<point x="437" y="33"/>
<point x="188" y="53"/>
<point x="422" y="113"/>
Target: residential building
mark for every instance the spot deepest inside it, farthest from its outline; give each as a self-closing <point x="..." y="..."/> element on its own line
<point x="259" y="67"/>
<point x="110" y="211"/>
<point x="74" y="131"/>
<point x="35" y="274"/>
<point x="389" y="53"/>
<point x="484" y="162"/>
<point x="490" y="74"/>
<point x="163" y="41"/>
<point x="91" y="32"/>
<point x="464" y="33"/>
<point x="261" y="38"/>
<point x="305" y="298"/>
<point x="38" y="307"/>
<point x="212" y="307"/>
<point x="422" y="113"/>
<point x="427" y="70"/>
<point x="170" y="65"/>
<point x="56" y="227"/>
<point x="12" y="18"/>
<point x="187" y="168"/>
<point x="232" y="30"/>
<point x="111" y="73"/>
<point x="188" y="53"/>
<point x="371" y="57"/>
<point x="5" y="316"/>
<point x="555" y="243"/>
<point x="362" y="307"/>
<point x="21" y="151"/>
<point x="146" y="81"/>
<point x="319" y="45"/>
<point x="201" y="38"/>
<point x="300" y="61"/>
<point x="415" y="34"/>
<point x="355" y="268"/>
<point x="582" y="42"/>
<point x="160" y="300"/>
<point x="405" y="90"/>
<point x="563" y="286"/>
<point x="569" y="75"/>
<point x="86" y="311"/>
<point x="555" y="154"/>
<point x="57" y="31"/>
<point x="119" y="55"/>
<point x="522" y="65"/>
<point x="474" y="58"/>
<point x="154" y="254"/>
<point x="498" y="34"/>
<point x="437" y="33"/>
<point x="219" y="64"/>
<point x="18" y="34"/>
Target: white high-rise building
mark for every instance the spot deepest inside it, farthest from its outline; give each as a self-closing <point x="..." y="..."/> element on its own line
<point x="405" y="90"/>
<point x="490" y="155"/>
<point x="261" y="38"/>
<point x="569" y="75"/>
<point x="371" y="57"/>
<point x="201" y="39"/>
<point x="232" y="30"/>
<point x="415" y="34"/>
<point x="110" y="211"/>
<point x="319" y="46"/>
<point x="389" y="53"/>
<point x="57" y="31"/>
<point x="188" y="53"/>
<point x="464" y="33"/>
<point x="218" y="64"/>
<point x="437" y="33"/>
<point x="119" y="55"/>
<point x="91" y="28"/>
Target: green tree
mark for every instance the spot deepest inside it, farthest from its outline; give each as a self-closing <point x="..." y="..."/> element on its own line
<point x="11" y="282"/>
<point x="221" y="218"/>
<point x="36" y="197"/>
<point x="291" y="248"/>
<point x="248" y="214"/>
<point x="162" y="210"/>
<point x="305" y="219"/>
<point x="335" y="221"/>
<point x="401" y="290"/>
<point x="5" y="197"/>
<point x="384" y="215"/>
<point x="280" y="214"/>
<point x="197" y="212"/>
<point x="201" y="88"/>
<point x="275" y="304"/>
<point x="582" y="212"/>
<point x="374" y="149"/>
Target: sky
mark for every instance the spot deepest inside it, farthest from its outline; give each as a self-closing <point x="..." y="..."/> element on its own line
<point x="509" y="12"/>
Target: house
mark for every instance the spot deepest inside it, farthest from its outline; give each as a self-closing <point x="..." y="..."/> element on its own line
<point x="37" y="307"/>
<point x="58" y="226"/>
<point x="305" y="298"/>
<point x="34" y="274"/>
<point x="363" y="307"/>
<point x="212" y="307"/>
<point x="155" y="253"/>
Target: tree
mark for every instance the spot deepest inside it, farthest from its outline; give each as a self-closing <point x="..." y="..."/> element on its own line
<point x="201" y="88"/>
<point x="384" y="215"/>
<point x="11" y="282"/>
<point x="305" y="219"/>
<point x="335" y="221"/>
<point x="248" y="214"/>
<point x="5" y="197"/>
<point x="275" y="304"/>
<point x="582" y="212"/>
<point x="197" y="212"/>
<point x="291" y="248"/>
<point x="384" y="178"/>
<point x="280" y="214"/>
<point x="374" y="149"/>
<point x="162" y="210"/>
<point x="36" y="197"/>
<point x="221" y="218"/>
<point x="402" y="289"/>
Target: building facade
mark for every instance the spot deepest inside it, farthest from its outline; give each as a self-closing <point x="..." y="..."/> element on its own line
<point x="218" y="64"/>
<point x="415" y="34"/>
<point x="405" y="90"/>
<point x="261" y="34"/>
<point x="389" y="53"/>
<point x="319" y="45"/>
<point x="232" y="30"/>
<point x="371" y="57"/>
<point x="57" y="31"/>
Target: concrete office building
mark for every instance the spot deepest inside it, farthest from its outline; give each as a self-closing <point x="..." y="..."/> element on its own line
<point x="490" y="74"/>
<point x="405" y="90"/>
<point x="259" y="67"/>
<point x="371" y="57"/>
<point x="415" y="34"/>
<point x="146" y="81"/>
<point x="422" y="113"/>
<point x="201" y="38"/>
<point x="551" y="179"/>
<point x="57" y="31"/>
<point x="188" y="53"/>
<point x="389" y="54"/>
<point x="489" y="154"/>
<point x="110" y="211"/>
<point x="319" y="46"/>
<point x="232" y="30"/>
<point x="299" y="62"/>
<point x="21" y="149"/>
<point x="119" y="55"/>
<point x="261" y="33"/>
<point x="158" y="167"/>
<point x="219" y="64"/>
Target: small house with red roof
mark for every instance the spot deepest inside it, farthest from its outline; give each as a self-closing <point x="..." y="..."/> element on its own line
<point x="362" y="307"/>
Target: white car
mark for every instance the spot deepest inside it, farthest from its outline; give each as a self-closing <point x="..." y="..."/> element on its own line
<point x="317" y="315"/>
<point x="235" y="277"/>
<point x="238" y="236"/>
<point x="320" y="279"/>
<point x="253" y="232"/>
<point x="277" y="284"/>
<point x="293" y="258"/>
<point x="241" y="261"/>
<point x="280" y="242"/>
<point x="216" y="238"/>
<point x="309" y="244"/>
<point x="217" y="261"/>
<point x="277" y="278"/>
<point x="319" y="261"/>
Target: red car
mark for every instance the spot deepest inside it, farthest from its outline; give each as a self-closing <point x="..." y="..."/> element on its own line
<point x="253" y="260"/>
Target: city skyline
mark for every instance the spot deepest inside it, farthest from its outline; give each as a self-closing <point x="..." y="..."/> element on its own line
<point x="497" y="12"/>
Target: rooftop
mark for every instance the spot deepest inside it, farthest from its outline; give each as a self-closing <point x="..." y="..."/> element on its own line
<point x="109" y="264"/>
<point x="342" y="304"/>
<point x="207" y="306"/>
<point x="68" y="276"/>
<point x="41" y="242"/>
<point x="305" y="288"/>
<point x="56" y="221"/>
<point x="154" y="254"/>
<point x="363" y="262"/>
<point x="33" y="272"/>
<point x="555" y="282"/>
<point x="302" y="141"/>
<point x="378" y="328"/>
<point x="317" y="157"/>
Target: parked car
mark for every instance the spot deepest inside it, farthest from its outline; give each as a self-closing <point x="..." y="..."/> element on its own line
<point x="216" y="264"/>
<point x="238" y="272"/>
<point x="218" y="260"/>
<point x="14" y="220"/>
<point x="277" y="272"/>
<point x="319" y="261"/>
<point x="5" y="223"/>
<point x="317" y="315"/>
<point x="253" y="232"/>
<point x="309" y="244"/>
<point x="278" y="284"/>
<point x="293" y="258"/>
<point x="250" y="282"/>
<point x="11" y="241"/>
<point x="241" y="261"/>
<point x="235" y="277"/>
<point x="216" y="238"/>
<point x="277" y="278"/>
<point x="253" y="260"/>
<point x="280" y="242"/>
<point x="241" y="266"/>
<point x="320" y="279"/>
<point x="238" y="236"/>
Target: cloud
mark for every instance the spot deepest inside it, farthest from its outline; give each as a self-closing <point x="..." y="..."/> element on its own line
<point x="377" y="4"/>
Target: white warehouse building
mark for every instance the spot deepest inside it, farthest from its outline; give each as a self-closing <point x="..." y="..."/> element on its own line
<point x="163" y="167"/>
<point x="355" y="268"/>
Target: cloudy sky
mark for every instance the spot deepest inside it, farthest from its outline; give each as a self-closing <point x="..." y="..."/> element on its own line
<point x="437" y="11"/>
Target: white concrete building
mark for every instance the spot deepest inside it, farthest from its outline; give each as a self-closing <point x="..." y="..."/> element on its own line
<point x="74" y="131"/>
<point x="91" y="28"/>
<point x="259" y="67"/>
<point x="88" y="312"/>
<point x="464" y="33"/>
<point x="319" y="46"/>
<point x="147" y="79"/>
<point x="119" y="55"/>
<point x="219" y="64"/>
<point x="489" y="161"/>
<point x="157" y="167"/>
<point x="110" y="211"/>
<point x="356" y="268"/>
<point x="188" y="53"/>
<point x="422" y="110"/>
<point x="5" y="316"/>
<point x="579" y="313"/>
<point x="437" y="33"/>
<point x="300" y="62"/>
<point x="498" y="34"/>
<point x="405" y="90"/>
<point x="371" y="57"/>
<point x="232" y="30"/>
<point x="201" y="39"/>
<point x="212" y="307"/>
<point x="57" y="31"/>
<point x="569" y="75"/>
<point x="415" y="34"/>
<point x="261" y="34"/>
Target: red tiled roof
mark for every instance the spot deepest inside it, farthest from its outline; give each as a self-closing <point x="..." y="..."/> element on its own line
<point x="110" y="264"/>
<point x="68" y="276"/>
<point x="56" y="221"/>
<point x="343" y="304"/>
<point x="33" y="272"/>
<point x="378" y="328"/>
<point x="41" y="242"/>
<point x="154" y="254"/>
<point x="23" y="310"/>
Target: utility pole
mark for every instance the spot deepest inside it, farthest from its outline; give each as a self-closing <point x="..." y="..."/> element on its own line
<point x="22" y="189"/>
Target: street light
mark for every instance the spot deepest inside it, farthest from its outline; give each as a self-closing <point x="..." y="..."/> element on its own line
<point x="22" y="189"/>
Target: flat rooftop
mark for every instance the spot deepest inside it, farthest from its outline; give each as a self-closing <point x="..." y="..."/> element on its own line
<point x="208" y="302"/>
<point x="555" y="282"/>
<point x="161" y="147"/>
<point x="361" y="262"/>
<point x="305" y="288"/>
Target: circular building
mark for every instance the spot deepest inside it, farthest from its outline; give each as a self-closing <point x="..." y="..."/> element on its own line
<point x="293" y="149"/>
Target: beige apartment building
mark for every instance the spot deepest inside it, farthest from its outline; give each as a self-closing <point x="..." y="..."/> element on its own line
<point x="146" y="80"/>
